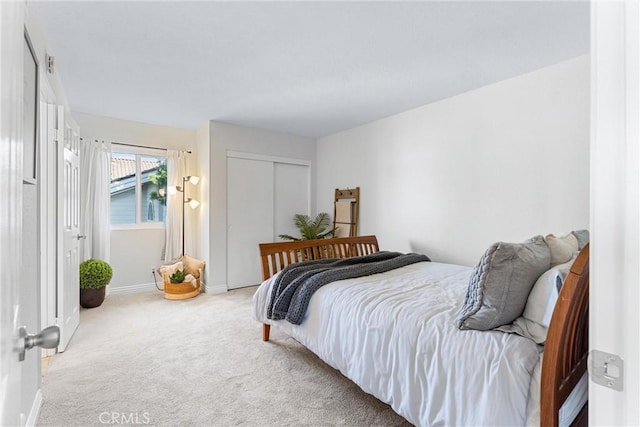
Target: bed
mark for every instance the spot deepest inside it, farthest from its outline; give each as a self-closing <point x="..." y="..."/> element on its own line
<point x="394" y="334"/>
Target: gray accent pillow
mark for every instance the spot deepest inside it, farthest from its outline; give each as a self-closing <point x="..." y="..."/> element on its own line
<point x="536" y="317"/>
<point x="500" y="284"/>
<point x="582" y="236"/>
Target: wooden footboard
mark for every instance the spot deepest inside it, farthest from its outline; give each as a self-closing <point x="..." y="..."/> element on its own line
<point x="567" y="345"/>
<point x="276" y="256"/>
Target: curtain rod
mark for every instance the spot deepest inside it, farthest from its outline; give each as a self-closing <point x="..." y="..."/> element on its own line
<point x="142" y="146"/>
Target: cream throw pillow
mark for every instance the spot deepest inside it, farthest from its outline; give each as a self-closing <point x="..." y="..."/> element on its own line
<point x="192" y="266"/>
<point x="562" y="248"/>
<point x="172" y="268"/>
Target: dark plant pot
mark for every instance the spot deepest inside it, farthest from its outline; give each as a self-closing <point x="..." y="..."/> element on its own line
<point x="92" y="297"/>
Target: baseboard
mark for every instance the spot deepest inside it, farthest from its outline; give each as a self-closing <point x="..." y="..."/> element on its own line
<point x="132" y="289"/>
<point x="146" y="287"/>
<point x="34" y="413"/>
<point x="215" y="289"/>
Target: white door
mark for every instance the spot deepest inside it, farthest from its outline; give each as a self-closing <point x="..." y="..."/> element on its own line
<point x="48" y="217"/>
<point x="11" y="45"/>
<point x="291" y="196"/>
<point x="69" y="227"/>
<point x="249" y="218"/>
<point x="614" y="322"/>
<point x="263" y="194"/>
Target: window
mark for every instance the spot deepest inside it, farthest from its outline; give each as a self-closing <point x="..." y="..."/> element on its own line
<point x="138" y="188"/>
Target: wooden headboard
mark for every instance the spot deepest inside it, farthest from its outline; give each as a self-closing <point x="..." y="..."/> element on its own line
<point x="276" y="256"/>
<point x="567" y="345"/>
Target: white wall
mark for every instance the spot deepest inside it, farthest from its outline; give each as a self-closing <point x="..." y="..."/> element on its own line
<point x="201" y="215"/>
<point x="134" y="252"/>
<point x="503" y="162"/>
<point x="226" y="137"/>
<point x="130" y="132"/>
<point x="35" y="28"/>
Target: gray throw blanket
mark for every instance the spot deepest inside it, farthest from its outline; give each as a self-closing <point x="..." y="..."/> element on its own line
<point x="296" y="283"/>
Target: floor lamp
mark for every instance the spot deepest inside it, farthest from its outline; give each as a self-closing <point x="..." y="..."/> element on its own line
<point x="187" y="200"/>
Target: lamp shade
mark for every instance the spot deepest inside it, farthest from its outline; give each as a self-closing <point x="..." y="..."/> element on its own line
<point x="194" y="203"/>
<point x="172" y="190"/>
<point x="194" y="179"/>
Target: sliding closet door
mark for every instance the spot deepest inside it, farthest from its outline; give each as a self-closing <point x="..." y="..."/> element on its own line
<point x="263" y="194"/>
<point x="291" y="196"/>
<point x="249" y="218"/>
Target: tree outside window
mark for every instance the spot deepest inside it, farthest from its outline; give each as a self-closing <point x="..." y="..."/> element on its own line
<point x="138" y="189"/>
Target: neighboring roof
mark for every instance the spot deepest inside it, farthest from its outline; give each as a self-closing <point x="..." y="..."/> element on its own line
<point x="122" y="168"/>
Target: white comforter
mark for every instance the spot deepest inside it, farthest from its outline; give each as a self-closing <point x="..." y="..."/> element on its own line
<point x="394" y="334"/>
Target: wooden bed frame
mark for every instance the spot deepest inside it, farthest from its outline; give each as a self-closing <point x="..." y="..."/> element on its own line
<point x="567" y="345"/>
<point x="276" y="256"/>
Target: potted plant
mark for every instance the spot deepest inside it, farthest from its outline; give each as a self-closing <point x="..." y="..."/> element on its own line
<point x="181" y="280"/>
<point x="311" y="229"/>
<point x="95" y="275"/>
<point x="175" y="286"/>
<point x="177" y="277"/>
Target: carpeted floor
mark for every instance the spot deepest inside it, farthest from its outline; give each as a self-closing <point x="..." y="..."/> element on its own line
<point x="140" y="359"/>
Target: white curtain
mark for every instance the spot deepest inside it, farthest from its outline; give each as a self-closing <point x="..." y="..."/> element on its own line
<point x="95" y="193"/>
<point x="176" y="170"/>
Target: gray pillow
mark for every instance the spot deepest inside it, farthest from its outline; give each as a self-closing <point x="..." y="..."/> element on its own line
<point x="536" y="317"/>
<point x="582" y="236"/>
<point x="500" y="284"/>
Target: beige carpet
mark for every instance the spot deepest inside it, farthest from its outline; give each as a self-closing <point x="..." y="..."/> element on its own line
<point x="140" y="359"/>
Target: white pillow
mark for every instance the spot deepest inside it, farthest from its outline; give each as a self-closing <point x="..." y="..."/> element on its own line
<point x="536" y="316"/>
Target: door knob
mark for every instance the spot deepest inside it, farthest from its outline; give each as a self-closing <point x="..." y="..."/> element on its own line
<point x="81" y="236"/>
<point x="47" y="338"/>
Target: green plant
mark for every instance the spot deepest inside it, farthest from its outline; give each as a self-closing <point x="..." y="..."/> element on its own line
<point x="177" y="277"/>
<point x="95" y="274"/>
<point x="159" y="179"/>
<point x="311" y="229"/>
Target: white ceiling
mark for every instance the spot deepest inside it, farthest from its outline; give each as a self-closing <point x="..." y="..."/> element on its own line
<point x="305" y="68"/>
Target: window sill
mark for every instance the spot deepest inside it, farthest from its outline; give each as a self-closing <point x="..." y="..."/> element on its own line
<point x="142" y="226"/>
